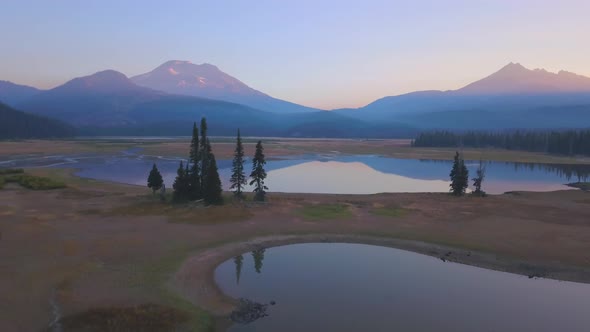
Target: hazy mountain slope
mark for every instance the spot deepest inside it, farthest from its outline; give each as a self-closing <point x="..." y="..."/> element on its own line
<point x="516" y="79"/>
<point x="101" y="99"/>
<point x="207" y="81"/>
<point x="12" y="94"/>
<point x="108" y="103"/>
<point x="513" y="89"/>
<point x="17" y="124"/>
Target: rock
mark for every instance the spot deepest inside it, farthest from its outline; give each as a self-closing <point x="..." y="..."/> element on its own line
<point x="248" y="311"/>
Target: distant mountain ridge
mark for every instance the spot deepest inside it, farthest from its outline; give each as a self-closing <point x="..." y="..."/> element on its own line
<point x="100" y="99"/>
<point x="109" y="103"/>
<point x="514" y="78"/>
<point x="12" y="94"/>
<point x="208" y="81"/>
<point x="500" y="100"/>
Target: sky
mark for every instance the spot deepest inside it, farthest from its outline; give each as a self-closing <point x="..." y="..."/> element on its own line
<point x="326" y="54"/>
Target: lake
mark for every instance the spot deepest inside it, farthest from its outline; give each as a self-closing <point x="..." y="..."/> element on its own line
<point x="337" y="174"/>
<point x="354" y="287"/>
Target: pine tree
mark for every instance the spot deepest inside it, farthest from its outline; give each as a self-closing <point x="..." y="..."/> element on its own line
<point x="212" y="188"/>
<point x="195" y="169"/>
<point x="155" y="180"/>
<point x="258" y="173"/>
<point x="204" y="151"/>
<point x="238" y="178"/>
<point x="478" y="179"/>
<point x="459" y="176"/>
<point x="180" y="185"/>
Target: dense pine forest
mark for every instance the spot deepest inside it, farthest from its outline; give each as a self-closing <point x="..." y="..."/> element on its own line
<point x="568" y="142"/>
<point x="17" y="124"/>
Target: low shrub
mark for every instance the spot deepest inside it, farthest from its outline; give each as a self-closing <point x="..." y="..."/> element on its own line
<point x="33" y="182"/>
<point x="585" y="186"/>
<point x="39" y="182"/>
<point x="5" y="171"/>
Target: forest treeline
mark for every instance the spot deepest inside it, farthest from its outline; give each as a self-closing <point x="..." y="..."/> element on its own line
<point x="567" y="142"/>
<point x="16" y="124"/>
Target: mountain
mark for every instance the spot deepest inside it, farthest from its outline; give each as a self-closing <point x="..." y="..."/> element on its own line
<point x="109" y="103"/>
<point x="505" y="99"/>
<point x="17" y="124"/>
<point x="12" y="94"/>
<point x="207" y="81"/>
<point x="101" y="99"/>
<point x="516" y="79"/>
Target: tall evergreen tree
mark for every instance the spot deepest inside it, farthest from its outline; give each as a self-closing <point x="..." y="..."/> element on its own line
<point x="238" y="178"/>
<point x="459" y="176"/>
<point x="155" y="181"/>
<point x="258" y="173"/>
<point x="205" y="149"/>
<point x="212" y="189"/>
<point x="478" y="179"/>
<point x="180" y="185"/>
<point x="195" y="168"/>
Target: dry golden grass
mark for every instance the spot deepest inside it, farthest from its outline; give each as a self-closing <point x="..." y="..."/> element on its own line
<point x="145" y="318"/>
<point x="190" y="213"/>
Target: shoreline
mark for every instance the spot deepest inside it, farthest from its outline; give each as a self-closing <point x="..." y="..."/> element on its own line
<point x="195" y="278"/>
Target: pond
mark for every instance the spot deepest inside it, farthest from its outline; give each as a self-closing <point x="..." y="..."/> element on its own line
<point x="336" y="174"/>
<point x="354" y="287"/>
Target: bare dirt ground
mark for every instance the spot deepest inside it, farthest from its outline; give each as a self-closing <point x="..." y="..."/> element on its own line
<point x="97" y="244"/>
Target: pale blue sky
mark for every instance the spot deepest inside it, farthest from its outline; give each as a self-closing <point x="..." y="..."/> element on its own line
<point x="326" y="54"/>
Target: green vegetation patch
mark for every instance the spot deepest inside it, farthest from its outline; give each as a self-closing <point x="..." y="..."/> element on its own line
<point x="390" y="211"/>
<point x="33" y="182"/>
<point x="146" y="317"/>
<point x="6" y="171"/>
<point x="325" y="211"/>
<point x="585" y="186"/>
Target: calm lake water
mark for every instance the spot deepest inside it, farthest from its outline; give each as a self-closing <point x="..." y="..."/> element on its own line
<point x="353" y="287"/>
<point x="361" y="174"/>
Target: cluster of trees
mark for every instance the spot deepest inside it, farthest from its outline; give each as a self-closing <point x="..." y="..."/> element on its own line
<point x="199" y="178"/>
<point x="460" y="177"/>
<point x="568" y="142"/>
